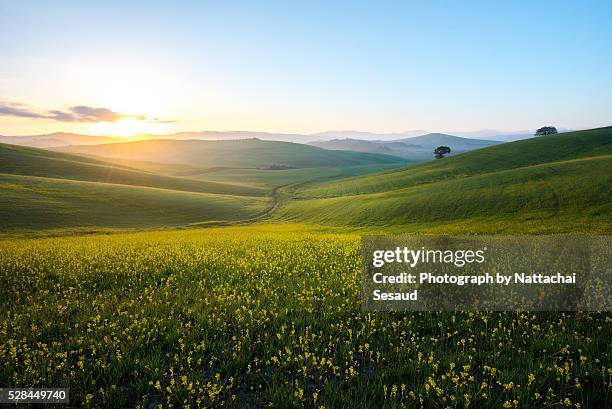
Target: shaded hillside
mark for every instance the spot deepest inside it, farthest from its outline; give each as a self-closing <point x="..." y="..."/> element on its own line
<point x="36" y="203"/>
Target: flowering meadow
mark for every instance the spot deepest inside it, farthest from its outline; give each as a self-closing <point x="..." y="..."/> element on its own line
<point x="269" y="317"/>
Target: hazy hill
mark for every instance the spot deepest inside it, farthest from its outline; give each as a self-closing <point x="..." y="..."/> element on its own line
<point x="457" y="143"/>
<point x="245" y="153"/>
<point x="561" y="179"/>
<point x="356" y="145"/>
<point x="418" y="148"/>
<point x="57" y="139"/>
<point x="367" y="136"/>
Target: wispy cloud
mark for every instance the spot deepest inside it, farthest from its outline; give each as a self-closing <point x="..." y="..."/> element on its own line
<point x="80" y="113"/>
<point x="163" y="121"/>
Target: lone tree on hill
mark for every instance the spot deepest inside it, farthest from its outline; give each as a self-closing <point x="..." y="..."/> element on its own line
<point x="546" y="130"/>
<point x="440" y="151"/>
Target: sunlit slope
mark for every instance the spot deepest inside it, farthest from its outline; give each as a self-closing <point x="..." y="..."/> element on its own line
<point x="38" y="162"/>
<point x="513" y="155"/>
<point x="246" y="153"/>
<point x="498" y="186"/>
<point x="35" y="203"/>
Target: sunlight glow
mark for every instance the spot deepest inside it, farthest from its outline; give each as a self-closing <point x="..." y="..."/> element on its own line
<point x="130" y="127"/>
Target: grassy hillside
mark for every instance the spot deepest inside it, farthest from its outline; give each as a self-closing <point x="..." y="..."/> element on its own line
<point x="37" y="162"/>
<point x="32" y="203"/>
<point x="246" y="153"/>
<point x="561" y="180"/>
<point x="512" y="155"/>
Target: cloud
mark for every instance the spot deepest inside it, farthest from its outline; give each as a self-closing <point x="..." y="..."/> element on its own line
<point x="18" y="110"/>
<point x="80" y="113"/>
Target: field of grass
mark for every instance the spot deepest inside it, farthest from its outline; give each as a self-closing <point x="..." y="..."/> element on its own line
<point x="269" y="316"/>
<point x="34" y="203"/>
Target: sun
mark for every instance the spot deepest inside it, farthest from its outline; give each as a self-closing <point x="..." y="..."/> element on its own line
<point x="130" y="127"/>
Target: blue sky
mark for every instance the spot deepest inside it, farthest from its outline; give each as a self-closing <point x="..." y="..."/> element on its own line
<point x="304" y="66"/>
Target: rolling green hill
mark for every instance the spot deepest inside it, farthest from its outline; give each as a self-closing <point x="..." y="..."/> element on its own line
<point x="26" y="161"/>
<point x="37" y="203"/>
<point x="562" y="179"/>
<point x="245" y="153"/>
<point x="554" y="183"/>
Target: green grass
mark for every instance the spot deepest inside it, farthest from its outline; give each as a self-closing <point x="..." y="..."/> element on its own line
<point x="38" y="162"/>
<point x="35" y="203"/>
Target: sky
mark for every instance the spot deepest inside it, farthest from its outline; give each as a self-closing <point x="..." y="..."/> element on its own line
<point x="303" y="67"/>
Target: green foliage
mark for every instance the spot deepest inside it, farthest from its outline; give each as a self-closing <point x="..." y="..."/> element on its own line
<point x="546" y="130"/>
<point x="440" y="151"/>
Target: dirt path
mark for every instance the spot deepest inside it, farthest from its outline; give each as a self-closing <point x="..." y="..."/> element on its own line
<point x="276" y="201"/>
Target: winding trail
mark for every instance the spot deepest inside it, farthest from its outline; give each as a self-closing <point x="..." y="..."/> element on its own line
<point x="276" y="201"/>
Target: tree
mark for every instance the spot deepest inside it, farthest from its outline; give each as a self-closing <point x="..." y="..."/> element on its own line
<point x="546" y="130"/>
<point x="440" y="151"/>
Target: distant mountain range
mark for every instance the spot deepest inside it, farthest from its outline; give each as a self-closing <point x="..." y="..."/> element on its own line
<point x="416" y="148"/>
<point x="58" y="139"/>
